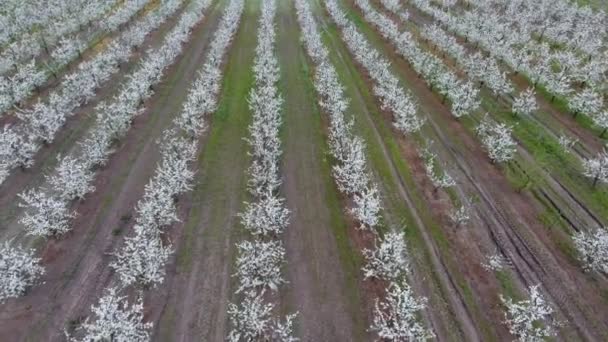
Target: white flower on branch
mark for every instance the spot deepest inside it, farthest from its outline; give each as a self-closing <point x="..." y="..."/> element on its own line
<point x="439" y="178"/>
<point x="265" y="216"/>
<point x="597" y="168"/>
<point x="530" y="319"/>
<point x="495" y="262"/>
<point x="251" y="321"/>
<point x="72" y="179"/>
<point x="350" y="173"/>
<point x="460" y="215"/>
<point x="259" y="265"/>
<point x="142" y="259"/>
<point x="496" y="138"/>
<point x="396" y="318"/>
<point x="19" y="269"/>
<point x="525" y="103"/>
<point x="367" y="207"/>
<point x="586" y="102"/>
<point x="389" y="259"/>
<point x="115" y="319"/>
<point x="593" y="249"/>
<point x="45" y="214"/>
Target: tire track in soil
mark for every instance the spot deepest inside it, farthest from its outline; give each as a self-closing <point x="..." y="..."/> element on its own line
<point x="516" y="229"/>
<point x="439" y="320"/>
<point x="320" y="287"/>
<point x="198" y="288"/>
<point x="77" y="265"/>
<point x="75" y="128"/>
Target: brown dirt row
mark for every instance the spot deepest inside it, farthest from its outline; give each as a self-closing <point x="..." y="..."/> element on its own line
<point x="192" y="303"/>
<point x="520" y="236"/>
<point x="75" y="129"/>
<point x="77" y="264"/>
<point x="324" y="283"/>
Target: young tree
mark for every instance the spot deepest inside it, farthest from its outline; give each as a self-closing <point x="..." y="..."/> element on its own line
<point x="16" y="149"/>
<point x="367" y="207"/>
<point x="597" y="168"/>
<point x="42" y="121"/>
<point x="530" y="318"/>
<point x="496" y="137"/>
<point x="525" y="103"/>
<point x="142" y="259"/>
<point x="587" y="102"/>
<point x="45" y="214"/>
<point x="396" y="318"/>
<point x="252" y="321"/>
<point x="266" y="216"/>
<point x="115" y="319"/>
<point x="19" y="269"/>
<point x="351" y="174"/>
<point x="259" y="265"/>
<point x="440" y="179"/>
<point x="72" y="179"/>
<point x="593" y="249"/>
<point x="601" y="120"/>
<point x="388" y="260"/>
<point x="460" y="215"/>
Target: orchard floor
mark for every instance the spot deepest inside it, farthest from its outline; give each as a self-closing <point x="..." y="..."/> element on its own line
<point x="323" y="245"/>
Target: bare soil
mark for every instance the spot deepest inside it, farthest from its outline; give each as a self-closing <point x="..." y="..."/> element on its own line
<point x="320" y="288"/>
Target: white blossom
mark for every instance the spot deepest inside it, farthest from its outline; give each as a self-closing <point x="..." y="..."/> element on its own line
<point x="45" y="214"/>
<point x="252" y="321"/>
<point x="597" y="168"/>
<point x="19" y="269"/>
<point x="367" y="207"/>
<point x="593" y="249"/>
<point x="396" y="318"/>
<point x="389" y="259"/>
<point x="259" y="265"/>
<point x="525" y="103"/>
<point x="529" y="319"/>
<point x="115" y="319"/>
<point x="496" y="138"/>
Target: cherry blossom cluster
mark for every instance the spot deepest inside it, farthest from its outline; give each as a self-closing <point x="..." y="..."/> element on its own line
<point x="593" y="249"/>
<point x="143" y="257"/>
<point x="395" y="318"/>
<point x="596" y="168"/>
<point x="19" y="269"/>
<point x="530" y="319"/>
<point x="385" y="85"/>
<point x="260" y="261"/>
<point x="497" y="139"/>
<point x="463" y="96"/>
<point x="39" y="125"/>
